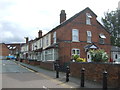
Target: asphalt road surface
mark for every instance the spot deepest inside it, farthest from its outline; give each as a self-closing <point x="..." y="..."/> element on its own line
<point x="16" y="76"/>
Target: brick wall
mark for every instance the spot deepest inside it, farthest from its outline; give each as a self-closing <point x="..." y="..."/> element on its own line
<point x="94" y="72"/>
<point x="32" y="62"/>
<point x="4" y="50"/>
<point x="47" y="65"/>
<point x="64" y="36"/>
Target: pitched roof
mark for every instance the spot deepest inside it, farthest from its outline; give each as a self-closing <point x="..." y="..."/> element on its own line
<point x="91" y="46"/>
<point x="1" y="44"/>
<point x="72" y="18"/>
<point x="115" y="49"/>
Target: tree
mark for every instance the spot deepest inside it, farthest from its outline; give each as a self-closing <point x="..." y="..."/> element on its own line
<point x="111" y="22"/>
<point x="99" y="55"/>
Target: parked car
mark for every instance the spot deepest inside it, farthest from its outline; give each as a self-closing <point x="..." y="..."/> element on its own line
<point x="10" y="57"/>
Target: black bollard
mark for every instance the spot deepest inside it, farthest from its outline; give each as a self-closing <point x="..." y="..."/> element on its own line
<point x="82" y="77"/>
<point x="67" y="73"/>
<point x="57" y="70"/>
<point x="105" y="80"/>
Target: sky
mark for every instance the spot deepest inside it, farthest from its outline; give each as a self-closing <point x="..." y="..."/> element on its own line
<point x="24" y="18"/>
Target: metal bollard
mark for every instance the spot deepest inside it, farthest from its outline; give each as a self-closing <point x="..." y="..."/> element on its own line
<point x="105" y="80"/>
<point x="57" y="70"/>
<point x="67" y="73"/>
<point x="82" y="77"/>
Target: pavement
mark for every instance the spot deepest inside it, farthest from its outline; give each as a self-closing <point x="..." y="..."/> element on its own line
<point x="73" y="82"/>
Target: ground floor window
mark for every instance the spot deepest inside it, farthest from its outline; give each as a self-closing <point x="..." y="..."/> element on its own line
<point x="48" y="55"/>
<point x="75" y="51"/>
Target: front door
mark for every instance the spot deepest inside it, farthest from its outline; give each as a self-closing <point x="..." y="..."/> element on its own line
<point x="88" y="57"/>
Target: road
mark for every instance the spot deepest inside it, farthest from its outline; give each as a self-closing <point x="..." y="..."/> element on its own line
<point x="16" y="76"/>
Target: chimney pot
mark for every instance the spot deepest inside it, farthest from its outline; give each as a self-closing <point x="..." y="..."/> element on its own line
<point x="26" y="39"/>
<point x="40" y="34"/>
<point x="62" y="16"/>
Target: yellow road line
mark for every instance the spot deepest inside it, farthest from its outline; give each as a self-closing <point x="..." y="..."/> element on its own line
<point x="24" y="67"/>
<point x="48" y="77"/>
<point x="54" y="80"/>
<point x="27" y="68"/>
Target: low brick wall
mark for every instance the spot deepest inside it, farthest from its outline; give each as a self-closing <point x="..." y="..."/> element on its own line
<point x="47" y="65"/>
<point x="94" y="72"/>
<point x="33" y="62"/>
<point x="24" y="61"/>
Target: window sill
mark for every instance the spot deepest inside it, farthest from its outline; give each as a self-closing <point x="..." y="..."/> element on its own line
<point x="102" y="43"/>
<point x="89" y="42"/>
<point x="88" y="24"/>
<point x="75" y="41"/>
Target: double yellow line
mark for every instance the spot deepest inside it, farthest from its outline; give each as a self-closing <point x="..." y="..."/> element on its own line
<point x="47" y="77"/>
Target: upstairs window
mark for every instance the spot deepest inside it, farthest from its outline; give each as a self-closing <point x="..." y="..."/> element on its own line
<point x="40" y="42"/>
<point x="101" y="38"/>
<point x="89" y="37"/>
<point x="88" y="17"/>
<point x="75" y="35"/>
<point x="54" y="37"/>
<point x="47" y="41"/>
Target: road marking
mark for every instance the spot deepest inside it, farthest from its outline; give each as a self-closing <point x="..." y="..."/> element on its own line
<point x="3" y="64"/>
<point x="47" y="77"/>
<point x="54" y="80"/>
<point x="26" y="68"/>
<point x="46" y="88"/>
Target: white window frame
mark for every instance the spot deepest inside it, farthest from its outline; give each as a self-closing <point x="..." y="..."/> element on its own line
<point x="75" y="35"/>
<point x="89" y="37"/>
<point x="101" y="38"/>
<point x="41" y="43"/>
<point x="47" y="41"/>
<point x="88" y="17"/>
<point x="54" y="37"/>
<point x="76" y="53"/>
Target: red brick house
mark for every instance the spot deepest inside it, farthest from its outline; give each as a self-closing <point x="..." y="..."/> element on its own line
<point x="77" y="35"/>
<point x="4" y="51"/>
<point x="11" y="49"/>
<point x="14" y="48"/>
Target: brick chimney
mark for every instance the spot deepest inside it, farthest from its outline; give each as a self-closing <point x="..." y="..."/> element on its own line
<point x="62" y="16"/>
<point x="26" y="39"/>
<point x="40" y="33"/>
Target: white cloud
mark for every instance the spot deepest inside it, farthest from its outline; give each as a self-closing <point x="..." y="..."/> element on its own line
<point x="27" y="16"/>
<point x="7" y="34"/>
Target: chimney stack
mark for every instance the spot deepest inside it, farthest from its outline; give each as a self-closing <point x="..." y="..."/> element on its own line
<point x="26" y="39"/>
<point x="40" y="34"/>
<point x="62" y="16"/>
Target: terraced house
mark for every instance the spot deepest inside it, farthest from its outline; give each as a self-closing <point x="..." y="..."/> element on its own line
<point x="77" y="35"/>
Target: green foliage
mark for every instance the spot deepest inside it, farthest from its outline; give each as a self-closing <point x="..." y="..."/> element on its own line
<point x="75" y="57"/>
<point x="99" y="55"/>
<point x="111" y="22"/>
